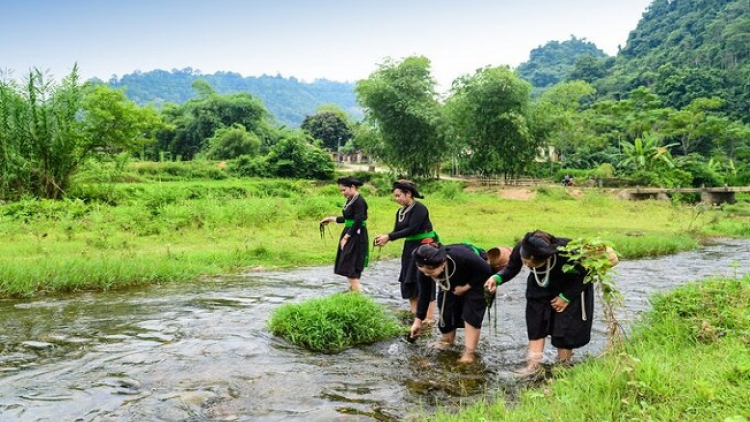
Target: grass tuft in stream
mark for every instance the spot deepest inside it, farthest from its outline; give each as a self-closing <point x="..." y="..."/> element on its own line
<point x="334" y="323"/>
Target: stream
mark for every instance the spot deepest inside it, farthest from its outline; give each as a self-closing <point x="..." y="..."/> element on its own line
<point x="201" y="351"/>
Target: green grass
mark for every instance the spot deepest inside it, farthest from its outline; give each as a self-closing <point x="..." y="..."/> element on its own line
<point x="118" y="235"/>
<point x="688" y="360"/>
<point x="334" y="323"/>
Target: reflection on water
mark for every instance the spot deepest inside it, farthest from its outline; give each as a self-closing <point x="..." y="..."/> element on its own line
<point x="201" y="351"/>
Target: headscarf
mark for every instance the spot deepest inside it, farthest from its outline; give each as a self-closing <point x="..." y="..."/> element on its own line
<point x="431" y="255"/>
<point x="407" y="186"/>
<point x="349" y="181"/>
<point x="538" y="245"/>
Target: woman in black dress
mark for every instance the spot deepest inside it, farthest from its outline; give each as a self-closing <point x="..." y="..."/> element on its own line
<point x="414" y="226"/>
<point x="559" y="303"/>
<point x="352" y="253"/>
<point x="460" y="272"/>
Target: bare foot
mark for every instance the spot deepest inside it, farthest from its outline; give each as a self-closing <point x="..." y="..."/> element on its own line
<point x="441" y="345"/>
<point x="530" y="372"/>
<point x="467" y="358"/>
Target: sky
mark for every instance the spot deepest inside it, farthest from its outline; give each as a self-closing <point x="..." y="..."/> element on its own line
<point x="306" y="39"/>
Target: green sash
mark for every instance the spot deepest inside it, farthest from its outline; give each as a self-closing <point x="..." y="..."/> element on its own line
<point x="473" y="247"/>
<point x="350" y="223"/>
<point x="420" y="236"/>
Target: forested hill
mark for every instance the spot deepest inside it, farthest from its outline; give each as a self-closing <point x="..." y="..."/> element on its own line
<point x="553" y="62"/>
<point x="687" y="49"/>
<point x="680" y="50"/>
<point x="288" y="99"/>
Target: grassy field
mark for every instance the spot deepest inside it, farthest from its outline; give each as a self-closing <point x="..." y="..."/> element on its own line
<point x="126" y="234"/>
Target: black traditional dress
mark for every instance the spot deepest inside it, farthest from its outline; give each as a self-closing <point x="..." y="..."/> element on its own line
<point x="463" y="265"/>
<point x="352" y="259"/>
<point x="570" y="328"/>
<point x="414" y="226"/>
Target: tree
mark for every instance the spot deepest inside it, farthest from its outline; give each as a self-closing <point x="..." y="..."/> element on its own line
<point x="401" y="102"/>
<point x="490" y="113"/>
<point x="690" y="123"/>
<point x="196" y="121"/>
<point x="231" y="142"/>
<point x="330" y="127"/>
<point x="646" y="153"/>
<point x="14" y="174"/>
<point x="560" y="123"/>
<point x="588" y="69"/>
<point x="294" y="157"/>
<point x="55" y="128"/>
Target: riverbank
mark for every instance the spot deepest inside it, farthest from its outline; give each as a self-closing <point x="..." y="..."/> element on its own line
<point x="688" y="360"/>
<point x="129" y="234"/>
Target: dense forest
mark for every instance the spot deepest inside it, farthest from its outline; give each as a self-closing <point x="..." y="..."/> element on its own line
<point x="288" y="99"/>
<point x="557" y="62"/>
<point x="669" y="110"/>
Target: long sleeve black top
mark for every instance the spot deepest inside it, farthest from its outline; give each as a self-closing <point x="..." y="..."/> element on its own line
<point x="570" y="284"/>
<point x="416" y="221"/>
<point x="355" y="210"/>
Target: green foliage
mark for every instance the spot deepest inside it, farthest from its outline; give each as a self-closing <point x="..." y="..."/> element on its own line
<point x="247" y="166"/>
<point x="489" y="112"/>
<point x="198" y="120"/>
<point x="597" y="257"/>
<point x="717" y="304"/>
<point x="703" y="173"/>
<point x="231" y="142"/>
<point x="293" y="157"/>
<point x="553" y="62"/>
<point x="330" y="127"/>
<point x="401" y="102"/>
<point x="334" y="323"/>
<point x="48" y="131"/>
<point x="687" y="50"/>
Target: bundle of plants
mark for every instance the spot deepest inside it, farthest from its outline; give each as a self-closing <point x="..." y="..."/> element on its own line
<point x="335" y="323"/>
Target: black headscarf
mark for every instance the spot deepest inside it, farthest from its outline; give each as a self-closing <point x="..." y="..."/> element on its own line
<point x="430" y="255"/>
<point x="349" y="181"/>
<point x="538" y="245"/>
<point x="407" y="186"/>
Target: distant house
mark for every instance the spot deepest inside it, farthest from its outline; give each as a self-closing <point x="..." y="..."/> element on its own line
<point x="357" y="157"/>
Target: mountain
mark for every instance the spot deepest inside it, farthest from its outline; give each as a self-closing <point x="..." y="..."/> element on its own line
<point x="553" y="62"/>
<point x="687" y="49"/>
<point x="288" y="99"/>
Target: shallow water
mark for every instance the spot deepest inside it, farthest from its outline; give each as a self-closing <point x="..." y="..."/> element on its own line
<point x="201" y="351"/>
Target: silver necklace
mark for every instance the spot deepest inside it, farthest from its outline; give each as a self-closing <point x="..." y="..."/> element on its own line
<point x="445" y="284"/>
<point x="349" y="202"/>
<point x="546" y="272"/>
<point x="403" y="211"/>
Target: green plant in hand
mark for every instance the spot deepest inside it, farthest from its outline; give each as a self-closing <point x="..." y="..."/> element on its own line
<point x="597" y="257"/>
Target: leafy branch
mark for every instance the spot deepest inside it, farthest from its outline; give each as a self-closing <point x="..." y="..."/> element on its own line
<point x="597" y="257"/>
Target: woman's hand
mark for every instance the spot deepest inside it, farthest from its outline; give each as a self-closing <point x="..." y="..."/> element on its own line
<point x="344" y="239"/>
<point x="327" y="220"/>
<point x="381" y="240"/>
<point x="415" y="327"/>
<point x="559" y="304"/>
<point x="460" y="290"/>
<point x="490" y="285"/>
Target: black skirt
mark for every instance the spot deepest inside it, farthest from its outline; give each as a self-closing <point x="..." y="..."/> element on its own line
<point x="470" y="307"/>
<point x="569" y="329"/>
<point x="351" y="261"/>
